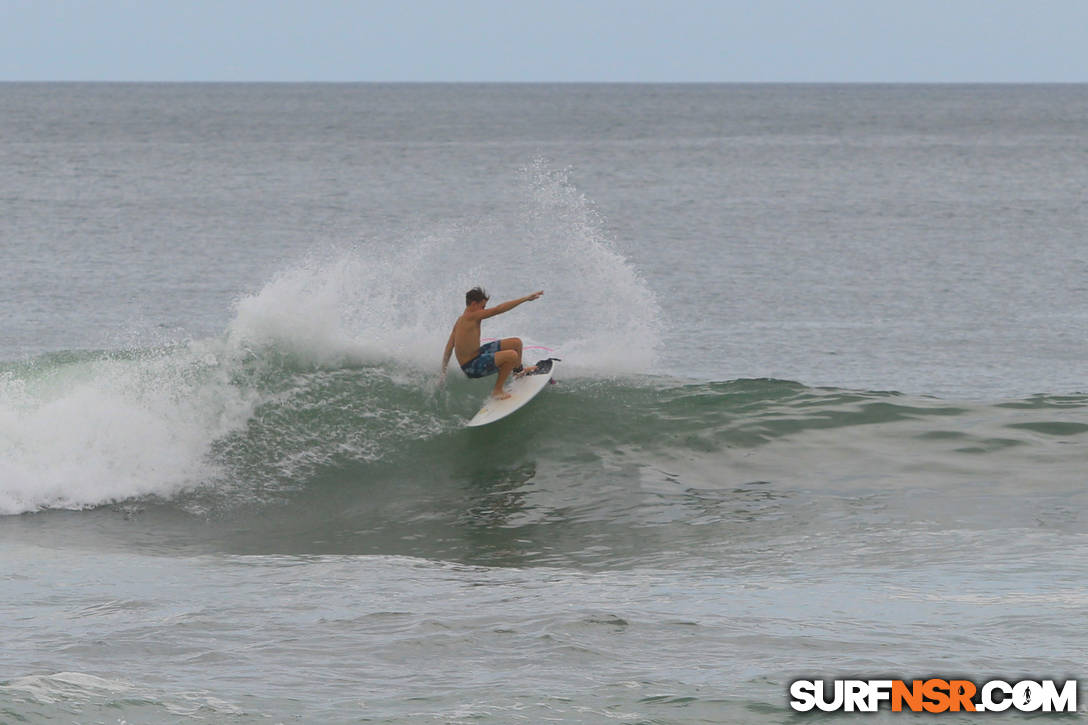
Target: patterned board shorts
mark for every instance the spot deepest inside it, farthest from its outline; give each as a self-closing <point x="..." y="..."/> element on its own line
<point x="484" y="363"/>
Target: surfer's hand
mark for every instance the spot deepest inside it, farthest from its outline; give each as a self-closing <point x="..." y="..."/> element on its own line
<point x="534" y="295"/>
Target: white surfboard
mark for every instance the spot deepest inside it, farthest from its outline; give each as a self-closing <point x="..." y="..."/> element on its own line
<point x="521" y="390"/>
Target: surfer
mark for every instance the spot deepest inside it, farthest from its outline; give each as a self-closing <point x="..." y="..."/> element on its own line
<point x="499" y="356"/>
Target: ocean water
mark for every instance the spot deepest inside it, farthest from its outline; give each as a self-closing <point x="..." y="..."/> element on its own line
<point x="821" y="414"/>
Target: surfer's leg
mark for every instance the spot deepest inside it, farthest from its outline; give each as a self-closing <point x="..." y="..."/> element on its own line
<point x="505" y="360"/>
<point x="511" y="343"/>
<point x="514" y="343"/>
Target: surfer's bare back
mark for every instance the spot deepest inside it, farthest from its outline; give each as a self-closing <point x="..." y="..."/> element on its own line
<point x="476" y="360"/>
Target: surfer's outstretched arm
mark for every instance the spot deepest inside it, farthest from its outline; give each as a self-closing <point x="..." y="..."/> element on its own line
<point x="507" y="306"/>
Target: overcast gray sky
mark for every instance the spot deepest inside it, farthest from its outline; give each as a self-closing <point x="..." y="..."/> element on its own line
<point x="545" y="40"/>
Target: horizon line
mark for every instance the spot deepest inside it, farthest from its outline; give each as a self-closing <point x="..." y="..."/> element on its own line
<point x="560" y="82"/>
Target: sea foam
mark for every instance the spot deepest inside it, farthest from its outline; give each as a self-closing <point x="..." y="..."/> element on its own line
<point x="395" y="300"/>
<point x="81" y="433"/>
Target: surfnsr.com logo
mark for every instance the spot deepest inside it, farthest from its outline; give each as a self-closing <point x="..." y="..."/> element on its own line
<point x="933" y="695"/>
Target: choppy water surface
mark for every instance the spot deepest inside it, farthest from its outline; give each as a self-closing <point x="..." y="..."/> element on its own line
<point x="821" y="412"/>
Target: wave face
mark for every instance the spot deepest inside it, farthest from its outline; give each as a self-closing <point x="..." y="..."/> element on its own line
<point x="366" y="456"/>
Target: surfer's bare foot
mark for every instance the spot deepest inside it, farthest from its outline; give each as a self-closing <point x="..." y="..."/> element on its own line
<point x="527" y="370"/>
<point x="500" y="394"/>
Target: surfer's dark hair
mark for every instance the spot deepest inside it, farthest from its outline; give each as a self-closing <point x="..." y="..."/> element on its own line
<point x="476" y="294"/>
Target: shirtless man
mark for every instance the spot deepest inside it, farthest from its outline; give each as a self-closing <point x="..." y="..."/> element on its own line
<point x="476" y="360"/>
